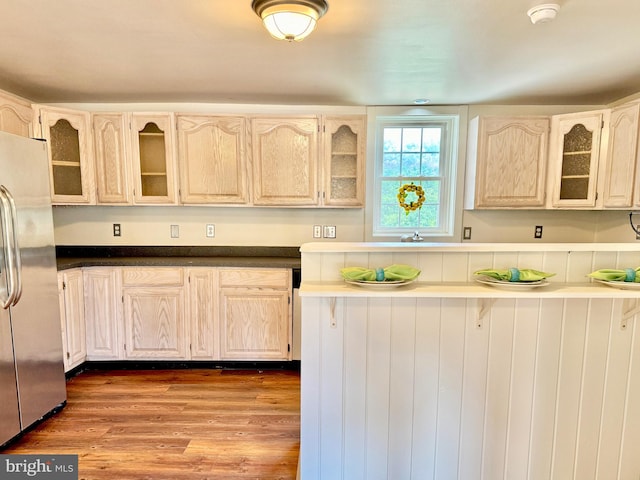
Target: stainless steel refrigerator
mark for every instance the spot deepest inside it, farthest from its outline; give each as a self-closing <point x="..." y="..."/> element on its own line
<point x="32" y="381"/>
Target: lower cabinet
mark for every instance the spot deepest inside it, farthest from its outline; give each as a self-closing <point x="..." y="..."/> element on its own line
<point x="255" y="314"/>
<point x="71" y="298"/>
<point x="175" y="313"/>
<point x="103" y="313"/>
<point x="154" y="313"/>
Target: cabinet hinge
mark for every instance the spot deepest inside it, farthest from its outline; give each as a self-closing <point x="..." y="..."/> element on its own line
<point x="289" y="300"/>
<point x="288" y="347"/>
<point x="40" y="119"/>
<point x="64" y="285"/>
<point x="596" y="195"/>
<point x="122" y="298"/>
<point x="602" y="126"/>
<point x="68" y="355"/>
<point x="125" y="347"/>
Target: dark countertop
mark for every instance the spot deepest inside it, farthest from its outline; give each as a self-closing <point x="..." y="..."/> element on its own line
<point x="90" y="256"/>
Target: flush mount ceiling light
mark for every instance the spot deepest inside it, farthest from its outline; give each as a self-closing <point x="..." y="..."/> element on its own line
<point x="290" y="20"/>
<point x="543" y="13"/>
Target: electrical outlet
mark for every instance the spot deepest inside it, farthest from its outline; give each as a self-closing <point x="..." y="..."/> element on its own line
<point x="329" y="231"/>
<point x="538" y="232"/>
<point x="211" y="230"/>
<point x="117" y="231"/>
<point x="175" y="231"/>
<point x="317" y="231"/>
<point x="466" y="234"/>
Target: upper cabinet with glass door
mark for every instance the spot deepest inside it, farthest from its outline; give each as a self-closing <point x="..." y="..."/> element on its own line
<point x="574" y="158"/>
<point x="343" y="161"/>
<point x="16" y="115"/>
<point x="153" y="155"/>
<point x="70" y="154"/>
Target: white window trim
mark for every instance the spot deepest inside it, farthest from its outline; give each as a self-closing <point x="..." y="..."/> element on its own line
<point x="405" y="114"/>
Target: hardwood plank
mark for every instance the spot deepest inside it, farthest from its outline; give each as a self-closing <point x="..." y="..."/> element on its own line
<point x="196" y="424"/>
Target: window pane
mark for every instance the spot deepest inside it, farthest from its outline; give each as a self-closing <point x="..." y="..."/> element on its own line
<point x="391" y="165"/>
<point x="389" y="192"/>
<point x="392" y="140"/>
<point x="431" y="139"/>
<point x="411" y="139"/>
<point x="429" y="215"/>
<point x="431" y="192"/>
<point x="430" y="164"/>
<point x="389" y="215"/>
<point x="411" y="220"/>
<point x="410" y="164"/>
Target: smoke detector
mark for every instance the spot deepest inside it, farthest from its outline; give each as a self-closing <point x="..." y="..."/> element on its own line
<point x="544" y="12"/>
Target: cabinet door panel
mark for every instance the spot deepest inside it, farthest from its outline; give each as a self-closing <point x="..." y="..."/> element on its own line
<point x="344" y="147"/>
<point x="254" y="324"/>
<point x="285" y="161"/>
<point x="211" y="151"/>
<point x="103" y="313"/>
<point x="73" y="315"/>
<point x="202" y="314"/>
<point x="511" y="162"/>
<point x="16" y="116"/>
<point x="154" y="322"/>
<point x="621" y="156"/>
<point x="70" y="155"/>
<point x="110" y="133"/>
<point x="141" y="276"/>
<point x="153" y="158"/>
<point x="575" y="154"/>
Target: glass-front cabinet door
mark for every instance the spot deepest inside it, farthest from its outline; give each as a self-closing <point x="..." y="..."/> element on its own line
<point x="575" y="155"/>
<point x="152" y="141"/>
<point x="70" y="157"/>
<point x="344" y="151"/>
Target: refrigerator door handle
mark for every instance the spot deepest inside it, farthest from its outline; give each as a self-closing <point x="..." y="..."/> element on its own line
<point x="15" y="248"/>
<point x="8" y="254"/>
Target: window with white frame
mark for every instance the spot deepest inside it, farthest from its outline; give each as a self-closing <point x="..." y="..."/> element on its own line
<point x="420" y="151"/>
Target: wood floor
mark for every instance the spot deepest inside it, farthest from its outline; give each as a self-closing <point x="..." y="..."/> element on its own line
<point x="176" y="424"/>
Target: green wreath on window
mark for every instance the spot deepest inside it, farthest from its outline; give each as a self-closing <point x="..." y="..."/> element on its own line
<point x="404" y="192"/>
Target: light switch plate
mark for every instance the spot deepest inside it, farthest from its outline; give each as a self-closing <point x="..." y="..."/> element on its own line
<point x="329" y="231"/>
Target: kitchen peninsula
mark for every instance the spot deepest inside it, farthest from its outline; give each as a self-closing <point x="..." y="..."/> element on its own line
<point x="446" y="378"/>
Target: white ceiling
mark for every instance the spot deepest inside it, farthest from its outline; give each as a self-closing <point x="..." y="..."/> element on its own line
<point x="364" y="52"/>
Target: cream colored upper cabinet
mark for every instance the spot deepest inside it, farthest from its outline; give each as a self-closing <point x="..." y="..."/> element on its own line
<point x="70" y="154"/>
<point x="255" y="314"/>
<point x="507" y="162"/>
<point x="574" y="158"/>
<point x="343" y="160"/>
<point x="153" y="158"/>
<point x="285" y="160"/>
<point x="212" y="159"/>
<point x="110" y="136"/>
<point x="621" y="159"/>
<point x="16" y="116"/>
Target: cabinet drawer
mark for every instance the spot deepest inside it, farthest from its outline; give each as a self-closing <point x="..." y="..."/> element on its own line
<point x="256" y="277"/>
<point x="171" y="276"/>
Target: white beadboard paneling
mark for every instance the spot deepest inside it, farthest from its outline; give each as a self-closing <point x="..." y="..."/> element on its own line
<point x="425" y="391"/>
<point x="579" y="265"/>
<point x="521" y="388"/>
<point x="505" y="259"/>
<point x="474" y="390"/>
<point x="449" y="388"/>
<point x="377" y="399"/>
<point x="592" y="389"/>
<point x="355" y="388"/>
<point x="545" y="381"/>
<point x="556" y="262"/>
<point x="629" y="259"/>
<point x="331" y="265"/>
<point x="430" y="265"/>
<point x="533" y="260"/>
<point x="455" y="267"/>
<point x="604" y="260"/>
<point x="313" y="310"/>
<point x="401" y="387"/>
<point x="497" y="392"/>
<point x="629" y="458"/>
<point x="574" y="326"/>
